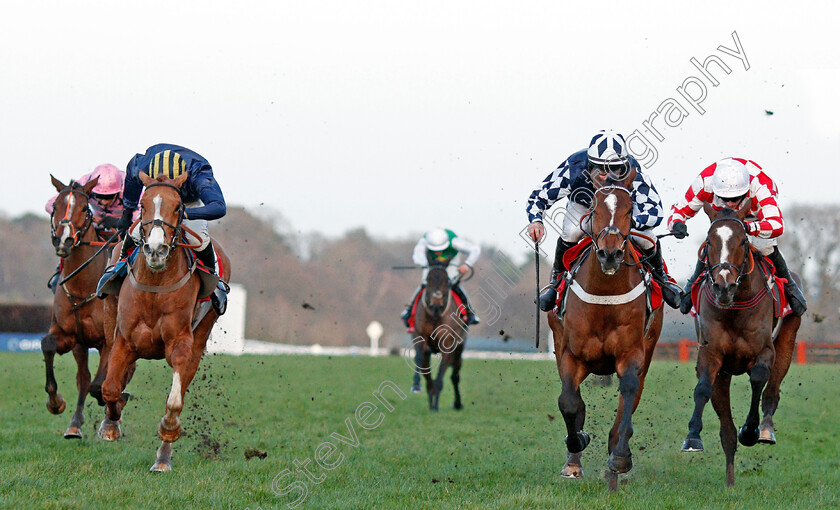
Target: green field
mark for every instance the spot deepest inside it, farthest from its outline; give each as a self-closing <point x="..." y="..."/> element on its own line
<point x="503" y="450"/>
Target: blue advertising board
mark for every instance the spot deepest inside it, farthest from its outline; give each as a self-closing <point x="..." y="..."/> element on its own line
<point x="21" y="342"/>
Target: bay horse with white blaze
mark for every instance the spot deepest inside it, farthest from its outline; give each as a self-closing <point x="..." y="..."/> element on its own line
<point x="607" y="328"/>
<point x="441" y="329"/>
<point x="734" y="325"/>
<point x="77" y="316"/>
<point x="158" y="312"/>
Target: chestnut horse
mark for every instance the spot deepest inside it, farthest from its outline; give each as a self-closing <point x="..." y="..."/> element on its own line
<point x="440" y="328"/>
<point x="606" y="329"/>
<point x="158" y="313"/>
<point x="77" y="316"/>
<point x="734" y="329"/>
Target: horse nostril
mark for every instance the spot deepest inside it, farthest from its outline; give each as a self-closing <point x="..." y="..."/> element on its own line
<point x="619" y="254"/>
<point x="601" y="253"/>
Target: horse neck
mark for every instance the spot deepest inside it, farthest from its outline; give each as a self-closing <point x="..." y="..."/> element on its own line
<point x="599" y="283"/>
<point x="87" y="278"/>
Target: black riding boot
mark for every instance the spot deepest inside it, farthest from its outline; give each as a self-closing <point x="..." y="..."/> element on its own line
<point x="794" y="295"/>
<point x="471" y="317"/>
<point x="53" y="283"/>
<point x="118" y="270"/>
<point x="407" y="312"/>
<point x="671" y="293"/>
<point x="548" y="298"/>
<point x="207" y="256"/>
<point x="685" y="305"/>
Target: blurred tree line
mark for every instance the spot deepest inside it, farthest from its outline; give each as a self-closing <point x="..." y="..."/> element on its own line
<point x="305" y="289"/>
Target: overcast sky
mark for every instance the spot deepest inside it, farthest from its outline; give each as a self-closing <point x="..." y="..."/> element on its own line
<point x="400" y="116"/>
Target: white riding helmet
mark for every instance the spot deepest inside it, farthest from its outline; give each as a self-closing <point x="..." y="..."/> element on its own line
<point x="607" y="148"/>
<point x="437" y="239"/>
<point x="731" y="179"/>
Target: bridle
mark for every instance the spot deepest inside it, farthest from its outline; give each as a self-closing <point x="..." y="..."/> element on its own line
<point x="76" y="232"/>
<point x="159" y="222"/>
<point x="748" y="256"/>
<point x="446" y="297"/>
<point x="609" y="229"/>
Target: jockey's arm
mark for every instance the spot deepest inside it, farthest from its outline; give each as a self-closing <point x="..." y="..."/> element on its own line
<point x="769" y="223"/>
<point x="210" y="193"/>
<point x="472" y="250"/>
<point x="556" y="186"/>
<point x="691" y="203"/>
<point x="419" y="255"/>
<point x="647" y="206"/>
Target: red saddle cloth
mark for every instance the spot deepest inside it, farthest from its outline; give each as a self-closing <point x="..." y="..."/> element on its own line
<point x="458" y="304"/>
<point x="775" y="283"/>
<point x="575" y="252"/>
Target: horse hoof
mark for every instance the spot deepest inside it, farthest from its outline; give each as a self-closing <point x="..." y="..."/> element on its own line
<point x="56" y="405"/>
<point x="457" y="406"/>
<point x="73" y="432"/>
<point x="161" y="467"/>
<point x="620" y="464"/>
<point x="572" y="471"/>
<point x="692" y="444"/>
<point x="748" y="436"/>
<point x="109" y="430"/>
<point x="767" y="436"/>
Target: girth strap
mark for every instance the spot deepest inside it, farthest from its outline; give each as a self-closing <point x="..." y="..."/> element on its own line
<point x="619" y="299"/>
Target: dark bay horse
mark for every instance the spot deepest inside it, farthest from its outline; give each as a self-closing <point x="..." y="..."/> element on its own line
<point x="158" y="315"/>
<point x="77" y="317"/>
<point x="606" y="329"/>
<point x="440" y="328"/>
<point x="734" y="329"/>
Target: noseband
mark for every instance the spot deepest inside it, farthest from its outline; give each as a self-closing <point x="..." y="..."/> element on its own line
<point x="748" y="257"/>
<point x="77" y="232"/>
<point x="158" y="222"/>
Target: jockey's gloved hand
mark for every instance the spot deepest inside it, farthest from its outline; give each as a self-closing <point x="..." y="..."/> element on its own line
<point x="679" y="229"/>
<point x="125" y="220"/>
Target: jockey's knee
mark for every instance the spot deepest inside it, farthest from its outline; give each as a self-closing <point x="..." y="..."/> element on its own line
<point x="642" y="242"/>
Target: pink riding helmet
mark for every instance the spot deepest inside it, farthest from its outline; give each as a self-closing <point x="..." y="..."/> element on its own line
<point x="111" y="179"/>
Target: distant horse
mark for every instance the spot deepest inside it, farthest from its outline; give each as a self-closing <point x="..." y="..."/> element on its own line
<point x="158" y="315"/>
<point x="607" y="328"/>
<point x="438" y="323"/>
<point x="734" y="326"/>
<point x="77" y="316"/>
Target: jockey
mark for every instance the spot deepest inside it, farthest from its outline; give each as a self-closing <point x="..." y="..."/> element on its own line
<point x="106" y="202"/>
<point x="443" y="246"/>
<point x="606" y="162"/>
<point x="728" y="183"/>
<point x="201" y="195"/>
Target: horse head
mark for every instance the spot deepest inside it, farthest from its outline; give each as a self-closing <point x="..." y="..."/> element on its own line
<point x="436" y="296"/>
<point x="161" y="214"/>
<point x="727" y="251"/>
<point x="612" y="209"/>
<point x="71" y="216"/>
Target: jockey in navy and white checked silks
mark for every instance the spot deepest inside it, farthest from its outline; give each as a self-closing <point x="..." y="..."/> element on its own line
<point x="572" y="179"/>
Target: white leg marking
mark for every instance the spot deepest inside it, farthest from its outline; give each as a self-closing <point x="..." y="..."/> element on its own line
<point x="174" y="400"/>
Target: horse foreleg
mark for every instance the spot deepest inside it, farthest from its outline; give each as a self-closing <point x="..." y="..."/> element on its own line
<point x="95" y="389"/>
<point x="759" y="374"/>
<point x="122" y="356"/>
<point x="784" y="346"/>
<point x="55" y="402"/>
<point x="456" y="378"/>
<point x="426" y="369"/>
<point x="169" y="428"/>
<point x="629" y="387"/>
<point x="573" y="409"/>
<point x="74" y="430"/>
<point x="708" y="367"/>
<point x="438" y="383"/>
<point x="721" y="405"/>
<point x="109" y="325"/>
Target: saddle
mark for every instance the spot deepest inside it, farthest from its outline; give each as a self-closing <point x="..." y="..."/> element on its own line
<point x="572" y="261"/>
<point x="773" y="285"/>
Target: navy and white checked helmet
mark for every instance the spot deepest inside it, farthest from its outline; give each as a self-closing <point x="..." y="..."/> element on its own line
<point x="607" y="148"/>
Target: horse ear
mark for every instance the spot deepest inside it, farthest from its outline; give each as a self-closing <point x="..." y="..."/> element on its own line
<point x="744" y="211"/>
<point x="180" y="180"/>
<point x="58" y="184"/>
<point x="90" y="185"/>
<point x="710" y="211"/>
<point x="145" y="179"/>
